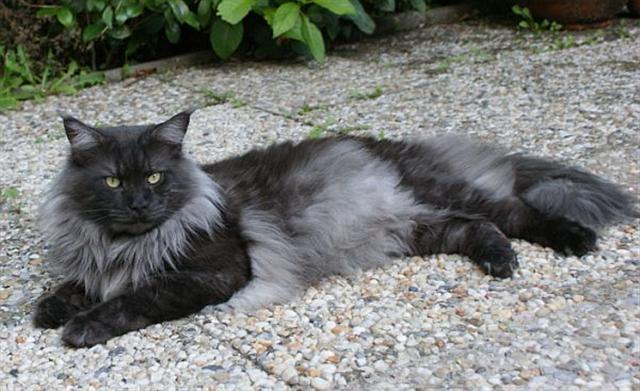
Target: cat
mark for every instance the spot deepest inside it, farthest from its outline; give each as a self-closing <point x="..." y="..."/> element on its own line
<point x="142" y="234"/>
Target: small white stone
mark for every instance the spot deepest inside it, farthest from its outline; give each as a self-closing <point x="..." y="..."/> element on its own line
<point x="319" y="383"/>
<point x="289" y="374"/>
<point x="156" y="376"/>
<point x="380" y="366"/>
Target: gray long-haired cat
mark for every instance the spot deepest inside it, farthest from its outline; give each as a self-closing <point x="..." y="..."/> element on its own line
<point x="142" y="234"/>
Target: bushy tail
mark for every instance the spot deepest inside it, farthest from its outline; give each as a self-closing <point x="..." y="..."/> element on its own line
<point x="561" y="191"/>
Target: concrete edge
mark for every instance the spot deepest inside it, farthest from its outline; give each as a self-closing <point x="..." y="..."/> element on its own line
<point x="413" y="19"/>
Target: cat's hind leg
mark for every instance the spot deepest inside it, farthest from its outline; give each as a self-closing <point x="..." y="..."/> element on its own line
<point x="259" y="293"/>
<point x="518" y="220"/>
<point x="479" y="240"/>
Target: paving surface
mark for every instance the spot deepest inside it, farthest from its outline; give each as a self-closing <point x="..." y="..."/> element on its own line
<point x="433" y="322"/>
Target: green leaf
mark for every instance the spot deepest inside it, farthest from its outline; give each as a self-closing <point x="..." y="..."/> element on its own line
<point x="516" y="9"/>
<point x="268" y="14"/>
<point x="65" y="17"/>
<point x="152" y="24"/>
<point x="338" y="7"/>
<point x="10" y="192"/>
<point x="8" y="102"/>
<point x="172" y="31"/>
<point x="107" y="16"/>
<point x="296" y="32"/>
<point x="313" y="38"/>
<point x="85" y="79"/>
<point x="192" y="20"/>
<point x="285" y="18"/>
<point x="132" y="46"/>
<point x="204" y="12"/>
<point x="134" y="9"/>
<point x="182" y="12"/>
<point x="120" y="32"/>
<point x="179" y="9"/>
<point x="25" y="69"/>
<point x="361" y="19"/>
<point x="64" y="89"/>
<point x="331" y="25"/>
<point x="96" y="5"/>
<point x="121" y="15"/>
<point x="225" y="38"/>
<point x="419" y="5"/>
<point x="92" y="31"/>
<point x="233" y="11"/>
<point x="47" y="11"/>
<point x="259" y="5"/>
<point x="387" y="5"/>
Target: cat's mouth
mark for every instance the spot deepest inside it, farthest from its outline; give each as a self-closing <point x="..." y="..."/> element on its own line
<point x="134" y="228"/>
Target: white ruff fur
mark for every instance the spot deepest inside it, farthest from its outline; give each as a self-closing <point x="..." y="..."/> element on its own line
<point x="84" y="253"/>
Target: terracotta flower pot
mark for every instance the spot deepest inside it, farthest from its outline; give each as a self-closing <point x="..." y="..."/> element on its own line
<point x="634" y="7"/>
<point x="575" y="11"/>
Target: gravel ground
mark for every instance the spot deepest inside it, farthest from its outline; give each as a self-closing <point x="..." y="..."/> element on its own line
<point x="433" y="322"/>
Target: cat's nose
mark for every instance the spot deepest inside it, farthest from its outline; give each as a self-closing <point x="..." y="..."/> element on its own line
<point x="137" y="203"/>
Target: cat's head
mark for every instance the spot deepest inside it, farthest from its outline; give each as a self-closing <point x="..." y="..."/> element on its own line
<point x="128" y="179"/>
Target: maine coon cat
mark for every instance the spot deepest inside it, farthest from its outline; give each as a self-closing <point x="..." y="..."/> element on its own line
<point x="142" y="234"/>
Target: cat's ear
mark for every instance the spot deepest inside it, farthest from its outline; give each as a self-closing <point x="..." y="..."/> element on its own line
<point x="80" y="135"/>
<point x="173" y="130"/>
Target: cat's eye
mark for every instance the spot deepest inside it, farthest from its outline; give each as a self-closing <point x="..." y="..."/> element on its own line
<point x="112" y="182"/>
<point x="154" y="178"/>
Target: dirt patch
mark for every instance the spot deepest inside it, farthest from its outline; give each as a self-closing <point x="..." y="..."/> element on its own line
<point x="19" y="25"/>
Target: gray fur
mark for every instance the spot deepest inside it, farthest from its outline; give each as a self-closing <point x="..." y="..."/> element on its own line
<point x="589" y="205"/>
<point x="84" y="253"/>
<point x="360" y="218"/>
<point x="561" y="191"/>
<point x="552" y="188"/>
<point x="484" y="167"/>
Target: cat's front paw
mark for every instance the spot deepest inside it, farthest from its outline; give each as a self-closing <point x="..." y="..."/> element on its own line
<point x="82" y="331"/>
<point x="52" y="312"/>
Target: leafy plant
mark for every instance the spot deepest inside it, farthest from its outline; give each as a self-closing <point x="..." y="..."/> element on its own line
<point x="622" y="32"/>
<point x="19" y="81"/>
<point x="367" y="95"/>
<point x="565" y="42"/>
<point x="139" y="22"/>
<point x="216" y="98"/>
<point x="316" y="132"/>
<point x="527" y="22"/>
<point x="269" y="26"/>
<point x="10" y="193"/>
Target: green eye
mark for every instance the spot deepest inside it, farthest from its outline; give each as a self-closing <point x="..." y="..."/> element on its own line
<point x="112" y="182"/>
<point x="154" y="178"/>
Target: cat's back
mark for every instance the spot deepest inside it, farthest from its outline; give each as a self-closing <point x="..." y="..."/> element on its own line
<point x="292" y="169"/>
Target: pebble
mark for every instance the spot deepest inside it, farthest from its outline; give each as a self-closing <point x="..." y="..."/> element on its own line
<point x="529" y="373"/>
<point x="380" y="366"/>
<point x="289" y="374"/>
<point x="320" y="384"/>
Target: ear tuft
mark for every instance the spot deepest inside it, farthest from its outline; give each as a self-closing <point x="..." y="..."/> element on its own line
<point x="80" y="135"/>
<point x="173" y="130"/>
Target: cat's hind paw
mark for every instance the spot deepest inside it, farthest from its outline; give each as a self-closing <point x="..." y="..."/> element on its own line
<point x="573" y="239"/>
<point x="499" y="261"/>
